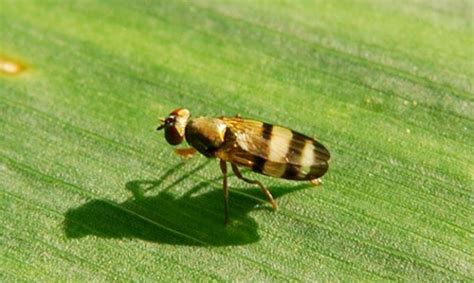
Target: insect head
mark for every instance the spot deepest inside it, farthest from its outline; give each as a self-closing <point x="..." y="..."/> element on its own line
<point x="174" y="125"/>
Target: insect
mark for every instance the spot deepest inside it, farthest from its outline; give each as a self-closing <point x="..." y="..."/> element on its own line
<point x="264" y="148"/>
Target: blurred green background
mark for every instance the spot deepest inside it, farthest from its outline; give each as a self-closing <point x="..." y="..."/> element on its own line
<point x="90" y="191"/>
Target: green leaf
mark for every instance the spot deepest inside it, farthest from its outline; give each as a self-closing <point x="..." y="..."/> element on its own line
<point x="90" y="191"/>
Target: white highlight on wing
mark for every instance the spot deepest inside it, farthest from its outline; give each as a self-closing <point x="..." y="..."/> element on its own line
<point x="307" y="155"/>
<point x="279" y="144"/>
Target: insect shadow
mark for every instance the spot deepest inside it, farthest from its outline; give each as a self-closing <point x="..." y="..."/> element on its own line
<point x="193" y="219"/>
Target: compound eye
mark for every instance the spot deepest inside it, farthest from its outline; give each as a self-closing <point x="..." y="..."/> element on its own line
<point x="173" y="136"/>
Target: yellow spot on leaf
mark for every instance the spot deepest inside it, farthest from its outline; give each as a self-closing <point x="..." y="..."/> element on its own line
<point x="10" y="67"/>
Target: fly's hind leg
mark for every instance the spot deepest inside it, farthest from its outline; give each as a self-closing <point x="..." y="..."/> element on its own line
<point x="264" y="190"/>
<point x="223" y="165"/>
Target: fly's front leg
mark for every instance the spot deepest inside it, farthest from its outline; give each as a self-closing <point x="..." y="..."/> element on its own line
<point x="223" y="165"/>
<point x="185" y="153"/>
<point x="264" y="190"/>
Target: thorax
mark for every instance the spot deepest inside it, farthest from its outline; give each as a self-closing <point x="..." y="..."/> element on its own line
<point x="206" y="134"/>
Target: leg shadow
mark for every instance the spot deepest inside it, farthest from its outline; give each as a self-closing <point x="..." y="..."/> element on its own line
<point x="193" y="219"/>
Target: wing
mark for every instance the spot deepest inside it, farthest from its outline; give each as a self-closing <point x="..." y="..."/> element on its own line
<point x="273" y="150"/>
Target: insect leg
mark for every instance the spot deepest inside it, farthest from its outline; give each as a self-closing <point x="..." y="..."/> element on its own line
<point x="223" y="165"/>
<point x="185" y="153"/>
<point x="264" y="190"/>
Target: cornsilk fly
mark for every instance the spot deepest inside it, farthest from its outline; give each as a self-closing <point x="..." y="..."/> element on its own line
<point x="264" y="148"/>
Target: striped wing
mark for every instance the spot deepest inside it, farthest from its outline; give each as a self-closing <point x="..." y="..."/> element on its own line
<point x="275" y="151"/>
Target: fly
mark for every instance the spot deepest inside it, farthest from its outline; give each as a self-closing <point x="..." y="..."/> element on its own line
<point x="264" y="148"/>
